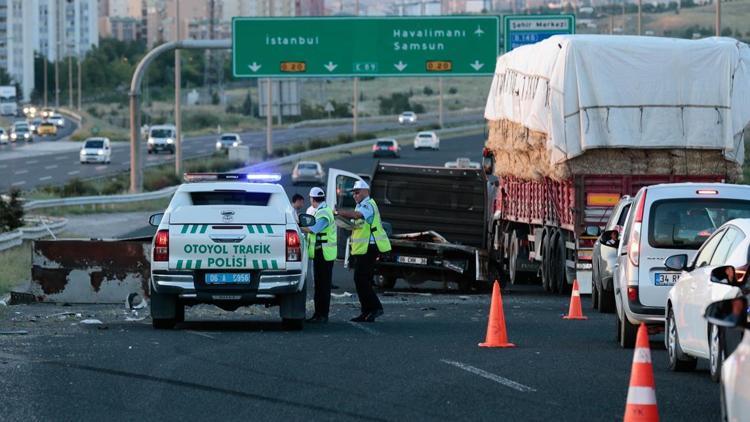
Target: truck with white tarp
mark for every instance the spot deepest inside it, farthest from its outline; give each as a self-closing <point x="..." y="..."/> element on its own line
<point x="577" y="121"/>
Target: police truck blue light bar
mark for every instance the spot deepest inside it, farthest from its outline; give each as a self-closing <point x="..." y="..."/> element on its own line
<point x="236" y="177"/>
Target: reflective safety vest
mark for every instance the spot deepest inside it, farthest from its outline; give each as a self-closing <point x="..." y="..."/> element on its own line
<point x="326" y="239"/>
<point x="361" y="235"/>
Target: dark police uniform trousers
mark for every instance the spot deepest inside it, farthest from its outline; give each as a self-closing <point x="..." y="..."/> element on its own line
<point x="323" y="272"/>
<point x="364" y="267"/>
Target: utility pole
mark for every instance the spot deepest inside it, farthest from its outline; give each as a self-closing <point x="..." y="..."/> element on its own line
<point x="177" y="94"/>
<point x="440" y="79"/>
<point x="269" y="102"/>
<point x="80" y="66"/>
<point x="718" y="17"/>
<point x="44" y="57"/>
<point x="355" y="108"/>
<point x="640" y="15"/>
<point x="58" y="35"/>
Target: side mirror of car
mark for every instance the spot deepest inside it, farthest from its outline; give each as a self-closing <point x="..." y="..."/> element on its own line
<point x="593" y="231"/>
<point x="728" y="313"/>
<point x="676" y="262"/>
<point x="726" y="274"/>
<point x="306" y="220"/>
<point x="609" y="238"/>
<point x="155" y="219"/>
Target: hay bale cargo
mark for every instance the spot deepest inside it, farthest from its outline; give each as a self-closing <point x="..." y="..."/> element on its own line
<point x="577" y="117"/>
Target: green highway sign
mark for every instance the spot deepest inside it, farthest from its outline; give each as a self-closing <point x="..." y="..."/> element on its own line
<point x="349" y="46"/>
<point x="529" y="29"/>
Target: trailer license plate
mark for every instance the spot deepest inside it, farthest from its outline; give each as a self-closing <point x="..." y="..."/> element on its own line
<point x="412" y="260"/>
<point x="227" y="278"/>
<point x="666" y="279"/>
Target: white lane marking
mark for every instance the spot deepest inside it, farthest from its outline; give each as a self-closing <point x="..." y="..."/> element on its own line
<point x="2" y="166"/>
<point x="198" y="333"/>
<point x="70" y="173"/>
<point x="53" y="166"/>
<point x="100" y="168"/>
<point x="368" y="330"/>
<point x="45" y="178"/>
<point x="60" y="158"/>
<point x="20" y="172"/>
<point x="490" y="376"/>
<point x="32" y="162"/>
<point x="126" y="163"/>
<point x="22" y="182"/>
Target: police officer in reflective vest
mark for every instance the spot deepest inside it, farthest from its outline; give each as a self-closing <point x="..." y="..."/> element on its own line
<point x="367" y="240"/>
<point x="321" y="246"/>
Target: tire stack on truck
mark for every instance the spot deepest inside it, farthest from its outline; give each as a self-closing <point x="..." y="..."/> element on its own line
<point x="577" y="121"/>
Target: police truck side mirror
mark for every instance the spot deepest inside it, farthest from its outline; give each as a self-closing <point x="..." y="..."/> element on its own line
<point x="155" y="219"/>
<point x="306" y="220"/>
<point x="728" y="313"/>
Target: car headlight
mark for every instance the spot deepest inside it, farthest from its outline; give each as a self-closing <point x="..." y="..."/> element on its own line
<point x="82" y="152"/>
<point x="3" y="136"/>
<point x="26" y="135"/>
<point x="234" y="144"/>
<point x="150" y="140"/>
<point x="170" y="140"/>
<point x="100" y="152"/>
<point x="13" y="135"/>
<point x="218" y="144"/>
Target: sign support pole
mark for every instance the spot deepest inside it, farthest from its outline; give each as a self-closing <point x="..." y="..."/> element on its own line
<point x="440" y="102"/>
<point x="355" y="107"/>
<point x="269" y="117"/>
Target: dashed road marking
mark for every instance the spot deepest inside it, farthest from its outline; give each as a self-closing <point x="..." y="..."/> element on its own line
<point x="364" y="328"/>
<point x="100" y="168"/>
<point x="45" y="178"/>
<point x="22" y="182"/>
<point x="60" y="158"/>
<point x="70" y="173"/>
<point x="20" y="172"/>
<point x="490" y="376"/>
<point x="53" y="166"/>
<point x="32" y="162"/>
<point x="198" y="333"/>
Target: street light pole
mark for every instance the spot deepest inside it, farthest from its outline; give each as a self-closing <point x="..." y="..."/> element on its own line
<point x="718" y="17"/>
<point x="355" y="99"/>
<point x="640" y="5"/>
<point x="44" y="57"/>
<point x="177" y="111"/>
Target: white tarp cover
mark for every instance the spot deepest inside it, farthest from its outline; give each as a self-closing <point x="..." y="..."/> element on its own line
<point x="599" y="91"/>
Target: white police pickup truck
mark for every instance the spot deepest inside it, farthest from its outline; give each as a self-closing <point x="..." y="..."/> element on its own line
<point x="231" y="240"/>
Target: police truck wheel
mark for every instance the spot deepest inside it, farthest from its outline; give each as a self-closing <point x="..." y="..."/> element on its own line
<point x="166" y="312"/>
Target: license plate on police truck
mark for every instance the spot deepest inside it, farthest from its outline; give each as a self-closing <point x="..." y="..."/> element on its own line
<point x="666" y="279"/>
<point x="412" y="260"/>
<point x="227" y="278"/>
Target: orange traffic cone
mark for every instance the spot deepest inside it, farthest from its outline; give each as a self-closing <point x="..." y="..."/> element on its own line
<point x="496" y="334"/>
<point x="574" y="311"/>
<point x="641" y="404"/>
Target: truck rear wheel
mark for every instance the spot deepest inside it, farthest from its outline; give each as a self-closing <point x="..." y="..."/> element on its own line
<point x="561" y="267"/>
<point x="546" y="255"/>
<point x="513" y="258"/>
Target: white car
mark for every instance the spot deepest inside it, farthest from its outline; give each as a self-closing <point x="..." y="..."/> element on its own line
<point x="96" y="150"/>
<point x="57" y="119"/>
<point x="427" y="140"/>
<point x="462" y="163"/>
<point x="231" y="240"/>
<point x="228" y="140"/>
<point x="702" y="282"/>
<point x="735" y="373"/>
<point x="161" y="138"/>
<point x="666" y="220"/>
<point x="3" y="136"/>
<point x="20" y="131"/>
<point x="308" y="172"/>
<point x="407" y="117"/>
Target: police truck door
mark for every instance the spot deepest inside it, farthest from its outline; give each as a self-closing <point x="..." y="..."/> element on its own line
<point x="338" y="194"/>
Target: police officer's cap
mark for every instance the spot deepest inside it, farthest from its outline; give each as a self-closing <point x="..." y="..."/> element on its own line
<point x="317" y="192"/>
<point x="360" y="184"/>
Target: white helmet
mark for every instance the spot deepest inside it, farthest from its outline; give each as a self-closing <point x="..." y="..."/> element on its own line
<point x="360" y="184"/>
<point x="317" y="192"/>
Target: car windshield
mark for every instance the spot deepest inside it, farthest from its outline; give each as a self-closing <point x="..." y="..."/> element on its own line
<point x="47" y="124"/>
<point x="385" y="143"/>
<point x="425" y="135"/>
<point x="94" y="144"/>
<point x="687" y="223"/>
<point x="307" y="166"/>
<point x="22" y="128"/>
<point x="161" y="133"/>
<point x="228" y="138"/>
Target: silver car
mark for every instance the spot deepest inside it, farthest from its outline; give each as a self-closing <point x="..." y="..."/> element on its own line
<point x="228" y="140"/>
<point x="605" y="256"/>
<point x="308" y="171"/>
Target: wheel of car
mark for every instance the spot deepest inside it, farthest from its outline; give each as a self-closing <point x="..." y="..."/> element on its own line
<point x="678" y="361"/>
<point x="289" y="324"/>
<point x="594" y="294"/>
<point x="606" y="301"/>
<point x="560" y="268"/>
<point x="715" y="352"/>
<point x="627" y="332"/>
<point x="513" y="258"/>
<point x="384" y="282"/>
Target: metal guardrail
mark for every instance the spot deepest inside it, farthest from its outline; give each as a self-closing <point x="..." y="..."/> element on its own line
<point x="73" y="115"/>
<point x="166" y="192"/>
<point x="97" y="200"/>
<point x="45" y="226"/>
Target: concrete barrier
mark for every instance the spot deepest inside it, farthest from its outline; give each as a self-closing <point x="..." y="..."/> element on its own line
<point x="89" y="271"/>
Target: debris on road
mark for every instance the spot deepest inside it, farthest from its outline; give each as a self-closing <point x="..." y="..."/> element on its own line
<point x="340" y="295"/>
<point x="13" y="332"/>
